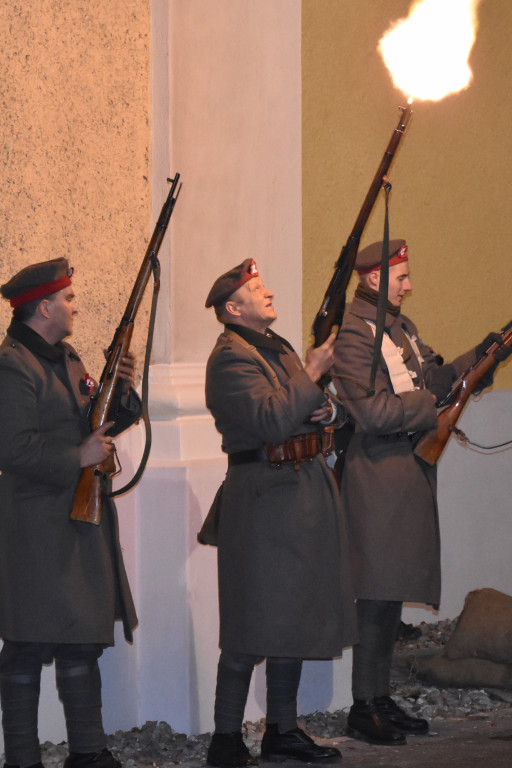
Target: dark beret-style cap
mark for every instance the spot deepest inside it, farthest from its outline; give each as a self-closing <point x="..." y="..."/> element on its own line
<point x="230" y="282"/>
<point x="370" y="258"/>
<point x="37" y="281"/>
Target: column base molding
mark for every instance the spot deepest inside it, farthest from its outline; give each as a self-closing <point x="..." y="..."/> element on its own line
<point x="182" y="427"/>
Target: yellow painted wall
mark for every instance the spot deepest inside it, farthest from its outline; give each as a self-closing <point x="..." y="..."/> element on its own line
<point x="75" y="103"/>
<point x="451" y="195"/>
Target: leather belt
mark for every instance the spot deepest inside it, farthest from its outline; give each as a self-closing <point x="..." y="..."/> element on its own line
<point x="246" y="457"/>
<point x="298" y="448"/>
<point x="394" y="436"/>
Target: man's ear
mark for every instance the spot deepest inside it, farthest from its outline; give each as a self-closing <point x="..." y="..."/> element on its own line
<point x="43" y="308"/>
<point x="231" y="308"/>
<point x="374" y="279"/>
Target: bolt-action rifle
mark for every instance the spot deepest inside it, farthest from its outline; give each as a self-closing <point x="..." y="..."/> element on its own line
<point x="331" y="311"/>
<point x="88" y="501"/>
<point x="430" y="445"/>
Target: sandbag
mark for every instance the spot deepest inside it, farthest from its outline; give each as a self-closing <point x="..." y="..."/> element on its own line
<point x="464" y="673"/>
<point x="484" y="628"/>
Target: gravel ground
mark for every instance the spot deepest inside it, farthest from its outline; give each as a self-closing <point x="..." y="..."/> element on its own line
<point x="157" y="745"/>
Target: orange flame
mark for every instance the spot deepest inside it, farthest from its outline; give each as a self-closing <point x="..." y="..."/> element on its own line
<point x="427" y="53"/>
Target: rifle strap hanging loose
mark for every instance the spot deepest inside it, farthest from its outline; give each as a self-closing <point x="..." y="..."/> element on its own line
<point x="383" y="293"/>
<point x="463" y="439"/>
<point x="145" y="383"/>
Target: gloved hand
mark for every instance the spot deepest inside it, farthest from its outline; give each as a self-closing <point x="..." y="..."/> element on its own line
<point x="439" y="380"/>
<point x="501" y="353"/>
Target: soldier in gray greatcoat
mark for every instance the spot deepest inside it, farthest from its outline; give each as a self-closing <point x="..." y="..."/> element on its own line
<point x="387" y="492"/>
<point x="284" y="587"/>
<point x="62" y="582"/>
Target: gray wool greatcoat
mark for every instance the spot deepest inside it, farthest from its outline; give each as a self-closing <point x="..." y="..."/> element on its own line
<point x="61" y="581"/>
<point x="387" y="493"/>
<point x="284" y="585"/>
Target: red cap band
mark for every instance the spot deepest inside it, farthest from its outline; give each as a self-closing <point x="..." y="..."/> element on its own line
<point x="42" y="290"/>
<point x="396" y="258"/>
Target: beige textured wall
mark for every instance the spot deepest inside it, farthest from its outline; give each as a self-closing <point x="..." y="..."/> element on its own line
<point x="451" y="195"/>
<point x="75" y="106"/>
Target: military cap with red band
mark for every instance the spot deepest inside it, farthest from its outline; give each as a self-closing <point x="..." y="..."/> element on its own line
<point x="37" y="281"/>
<point x="370" y="258"/>
<point x="231" y="281"/>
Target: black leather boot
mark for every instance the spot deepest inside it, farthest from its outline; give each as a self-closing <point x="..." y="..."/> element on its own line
<point x="101" y="759"/>
<point x="408" y="633"/>
<point x="389" y="709"/>
<point x="36" y="765"/>
<point x="227" y="750"/>
<point x="365" y="722"/>
<point x="294" y="745"/>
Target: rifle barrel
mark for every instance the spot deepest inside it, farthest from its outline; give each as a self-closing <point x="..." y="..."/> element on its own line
<point x="88" y="500"/>
<point x="333" y="304"/>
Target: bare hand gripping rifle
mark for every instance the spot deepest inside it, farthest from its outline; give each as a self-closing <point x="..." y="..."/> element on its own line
<point x="430" y="446"/>
<point x="333" y="304"/>
<point x="88" y="501"/>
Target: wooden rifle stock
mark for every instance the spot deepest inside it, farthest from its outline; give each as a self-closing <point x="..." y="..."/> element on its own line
<point x="430" y="446"/>
<point x="88" y="501"/>
<point x="333" y="304"/>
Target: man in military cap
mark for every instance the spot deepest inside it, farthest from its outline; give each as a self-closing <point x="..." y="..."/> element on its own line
<point x="280" y="534"/>
<point x="388" y="494"/>
<point x="62" y="582"/>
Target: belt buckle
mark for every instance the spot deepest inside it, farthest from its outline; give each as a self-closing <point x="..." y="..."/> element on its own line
<point x="274" y="460"/>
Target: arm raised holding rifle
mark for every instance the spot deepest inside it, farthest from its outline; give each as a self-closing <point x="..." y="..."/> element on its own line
<point x="332" y="308"/>
<point x="330" y="314"/>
